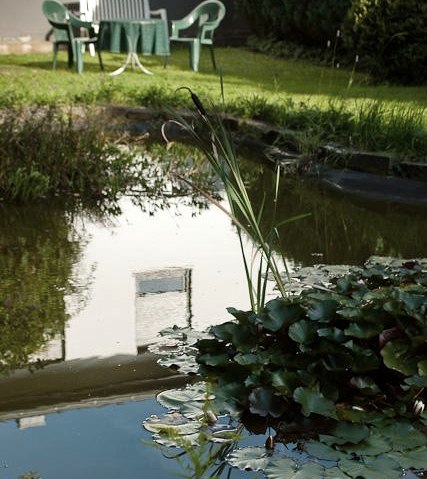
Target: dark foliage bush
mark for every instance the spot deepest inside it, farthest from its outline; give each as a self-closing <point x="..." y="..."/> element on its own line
<point x="390" y="37"/>
<point x="307" y="22"/>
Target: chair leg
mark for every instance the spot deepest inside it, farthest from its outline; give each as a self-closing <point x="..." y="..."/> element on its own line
<point x="79" y="56"/>
<point x="70" y="55"/>
<point x="194" y="55"/>
<point x="101" y="65"/>
<point x="213" y="56"/>
<point x="55" y="53"/>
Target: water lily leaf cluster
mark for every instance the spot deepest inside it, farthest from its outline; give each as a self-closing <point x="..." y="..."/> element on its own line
<point x="344" y="353"/>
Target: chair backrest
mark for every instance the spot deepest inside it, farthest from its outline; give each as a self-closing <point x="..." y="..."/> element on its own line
<point x="58" y="16"/>
<point x="212" y="11"/>
<point x="96" y="10"/>
<point x="55" y="10"/>
<point x="207" y="16"/>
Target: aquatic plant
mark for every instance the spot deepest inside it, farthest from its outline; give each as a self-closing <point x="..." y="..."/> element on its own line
<point x="210" y="134"/>
<point x="338" y="372"/>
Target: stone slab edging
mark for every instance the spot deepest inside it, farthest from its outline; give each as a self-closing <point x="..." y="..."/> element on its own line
<point x="363" y="174"/>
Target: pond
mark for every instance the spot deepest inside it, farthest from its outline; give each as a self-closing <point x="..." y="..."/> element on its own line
<point x="83" y="295"/>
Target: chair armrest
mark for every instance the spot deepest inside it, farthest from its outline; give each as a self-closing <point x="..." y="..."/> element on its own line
<point x="183" y="24"/>
<point x="161" y="12"/>
<point x="207" y="30"/>
<point x="78" y="23"/>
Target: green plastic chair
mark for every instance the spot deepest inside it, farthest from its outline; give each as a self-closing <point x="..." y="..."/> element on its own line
<point x="207" y="16"/>
<point x="64" y="23"/>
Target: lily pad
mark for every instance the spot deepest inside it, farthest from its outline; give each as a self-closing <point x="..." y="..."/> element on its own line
<point x="378" y="468"/>
<point x="190" y="401"/>
<point x="322" y="451"/>
<point x="302" y="332"/>
<point x="412" y="459"/>
<point x="323" y="310"/>
<point x="283" y="469"/>
<point x="249" y="458"/>
<point x="263" y="402"/>
<point x="173" y="423"/>
<point x="280" y="314"/>
<point x="404" y="436"/>
<point x="314" y="402"/>
<point x="395" y="355"/>
<point x="374" y="445"/>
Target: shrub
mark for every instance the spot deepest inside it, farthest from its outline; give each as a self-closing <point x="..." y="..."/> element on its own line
<point x="308" y="22"/>
<point x="390" y="37"/>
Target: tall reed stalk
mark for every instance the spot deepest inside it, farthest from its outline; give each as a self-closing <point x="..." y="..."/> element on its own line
<point x="211" y="135"/>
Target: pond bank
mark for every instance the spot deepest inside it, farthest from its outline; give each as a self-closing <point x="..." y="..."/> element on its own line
<point x="366" y="175"/>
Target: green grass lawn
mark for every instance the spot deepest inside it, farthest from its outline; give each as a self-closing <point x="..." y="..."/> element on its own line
<point x="30" y="79"/>
<point x="295" y="94"/>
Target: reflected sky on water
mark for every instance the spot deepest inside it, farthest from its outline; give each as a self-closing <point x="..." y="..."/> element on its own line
<point x="105" y="288"/>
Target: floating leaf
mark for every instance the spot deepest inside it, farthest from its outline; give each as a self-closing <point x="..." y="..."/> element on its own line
<point x="172" y="440"/>
<point x="412" y="459"/>
<point x="323" y="310"/>
<point x="211" y="359"/>
<point x="249" y="458"/>
<point x="174" y="423"/>
<point x="395" y="355"/>
<point x="378" y="468"/>
<point x="346" y="432"/>
<point x="322" y="451"/>
<point x="374" y="445"/>
<point x="280" y="314"/>
<point x="314" y="402"/>
<point x="403" y="436"/>
<point x="285" y="381"/>
<point x="365" y="383"/>
<point x="335" y="334"/>
<point x="363" y="330"/>
<point x="263" y="402"/>
<point x="190" y="401"/>
<point x="186" y="363"/>
<point x="247" y="359"/>
<point x="286" y="469"/>
<point x="422" y="367"/>
<point x="420" y="381"/>
<point x="302" y="332"/>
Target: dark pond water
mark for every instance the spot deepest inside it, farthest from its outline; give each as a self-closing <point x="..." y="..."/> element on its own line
<point x="82" y="297"/>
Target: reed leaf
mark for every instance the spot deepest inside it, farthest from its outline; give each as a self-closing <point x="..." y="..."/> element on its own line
<point x="210" y="134"/>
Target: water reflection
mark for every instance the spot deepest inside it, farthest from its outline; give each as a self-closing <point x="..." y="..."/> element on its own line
<point x="84" y="297"/>
<point x="160" y="296"/>
<point x="37" y="255"/>
<point x="341" y="229"/>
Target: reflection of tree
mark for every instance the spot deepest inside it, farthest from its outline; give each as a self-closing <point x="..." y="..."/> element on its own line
<point x="342" y="230"/>
<point x="37" y="255"/>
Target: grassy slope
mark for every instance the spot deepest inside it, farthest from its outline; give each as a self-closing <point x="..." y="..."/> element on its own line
<point x="29" y="79"/>
<point x="314" y="100"/>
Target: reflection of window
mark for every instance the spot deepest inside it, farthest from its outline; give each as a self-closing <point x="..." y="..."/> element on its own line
<point x="34" y="421"/>
<point x="163" y="298"/>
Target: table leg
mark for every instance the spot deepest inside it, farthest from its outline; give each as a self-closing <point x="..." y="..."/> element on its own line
<point x="140" y="65"/>
<point x="122" y="68"/>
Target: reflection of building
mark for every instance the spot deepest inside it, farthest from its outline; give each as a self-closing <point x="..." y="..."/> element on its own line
<point x="163" y="299"/>
<point x="52" y="351"/>
<point x="32" y="421"/>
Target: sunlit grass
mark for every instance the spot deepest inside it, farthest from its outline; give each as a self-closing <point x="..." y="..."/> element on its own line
<point x="293" y="94"/>
<point x="30" y="79"/>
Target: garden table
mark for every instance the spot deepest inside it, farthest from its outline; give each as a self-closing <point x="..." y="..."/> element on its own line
<point x="147" y="36"/>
